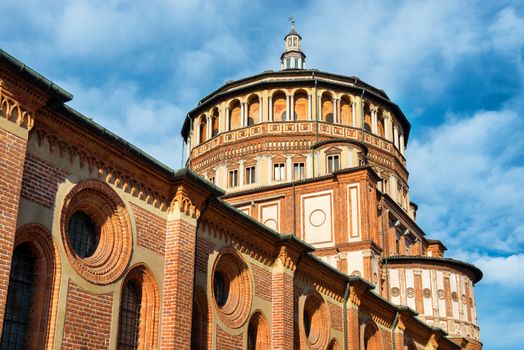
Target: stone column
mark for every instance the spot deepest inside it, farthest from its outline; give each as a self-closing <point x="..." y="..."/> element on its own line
<point x="228" y="119"/>
<point x="209" y="128"/>
<point x="241" y="173"/>
<point x="387" y="127"/>
<point x="292" y="107"/>
<point x="309" y="165"/>
<point x="374" y="120"/>
<point x="401" y="143"/>
<point x="354" y="114"/>
<point x="395" y="136"/>
<point x="288" y="108"/>
<point x="260" y="109"/>
<point x="309" y="107"/>
<point x="335" y="111"/>
<point x="270" y="108"/>
<point x="289" y="166"/>
<point x="13" y="145"/>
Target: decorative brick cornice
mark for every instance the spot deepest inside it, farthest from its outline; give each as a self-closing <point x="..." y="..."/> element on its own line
<point x="101" y="162"/>
<point x="185" y="203"/>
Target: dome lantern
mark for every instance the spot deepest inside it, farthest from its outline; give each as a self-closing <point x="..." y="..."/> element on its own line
<point x="293" y="57"/>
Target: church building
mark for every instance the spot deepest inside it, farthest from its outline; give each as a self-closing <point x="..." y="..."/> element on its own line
<point x="291" y="226"/>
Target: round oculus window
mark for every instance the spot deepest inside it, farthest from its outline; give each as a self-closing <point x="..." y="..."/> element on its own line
<point x="83" y="234"/>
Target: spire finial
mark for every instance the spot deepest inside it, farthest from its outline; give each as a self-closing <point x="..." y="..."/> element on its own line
<point x="292" y="19"/>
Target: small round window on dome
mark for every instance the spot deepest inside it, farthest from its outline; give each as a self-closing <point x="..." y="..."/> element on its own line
<point x="83" y="234"/>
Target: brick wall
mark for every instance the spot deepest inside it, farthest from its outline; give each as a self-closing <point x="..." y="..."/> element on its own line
<point x="226" y="341"/>
<point x="203" y="250"/>
<point x="41" y="181"/>
<point x="178" y="285"/>
<point x="87" y="322"/>
<point x="12" y="154"/>
<point x="283" y="310"/>
<point x="335" y="313"/>
<point x="262" y="282"/>
<point x="150" y="230"/>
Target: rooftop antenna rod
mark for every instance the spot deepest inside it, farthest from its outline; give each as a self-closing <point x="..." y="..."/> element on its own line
<point x="292" y="19"/>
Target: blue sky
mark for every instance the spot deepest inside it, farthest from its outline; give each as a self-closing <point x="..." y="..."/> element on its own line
<point x="455" y="67"/>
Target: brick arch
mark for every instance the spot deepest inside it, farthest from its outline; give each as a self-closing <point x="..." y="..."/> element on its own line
<point x="234" y="114"/>
<point x="253" y="108"/>
<point x="315" y="321"/>
<point x="259" y="336"/>
<point x="301" y="104"/>
<point x="279" y="105"/>
<point x="200" y="320"/>
<point x="44" y="300"/>
<point x="326" y="105"/>
<point x="346" y="110"/>
<point x="371" y="339"/>
<point x="202" y="128"/>
<point x="333" y="345"/>
<point x="141" y="275"/>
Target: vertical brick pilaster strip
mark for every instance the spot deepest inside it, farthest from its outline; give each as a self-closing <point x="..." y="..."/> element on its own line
<point x="12" y="156"/>
<point x="353" y="326"/>
<point x="178" y="281"/>
<point x="283" y="307"/>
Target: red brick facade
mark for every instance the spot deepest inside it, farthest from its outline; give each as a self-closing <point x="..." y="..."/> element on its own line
<point x="41" y="181"/>
<point x="87" y="319"/>
<point x="209" y="277"/>
<point x="12" y="155"/>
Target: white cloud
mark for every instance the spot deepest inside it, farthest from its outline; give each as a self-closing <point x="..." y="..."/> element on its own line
<point x="503" y="271"/>
<point x="151" y="124"/>
<point x="466" y="175"/>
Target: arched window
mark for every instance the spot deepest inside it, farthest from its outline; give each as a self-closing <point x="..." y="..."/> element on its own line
<point x="372" y="339"/>
<point x="327" y="108"/>
<point x="234" y="118"/>
<point x="258" y="337"/>
<point x="214" y="122"/>
<point x="138" y="319"/>
<point x="31" y="302"/>
<point x="19" y="295"/>
<point x="301" y="105"/>
<point x="367" y="119"/>
<point x="279" y="106"/>
<point x="83" y="234"/>
<point x="199" y="321"/>
<point x="346" y="113"/>
<point x="253" y="110"/>
<point x="202" y="129"/>
<point x="129" y="316"/>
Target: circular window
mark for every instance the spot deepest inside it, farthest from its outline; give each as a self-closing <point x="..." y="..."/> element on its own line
<point x="410" y="292"/>
<point x="96" y="232"/>
<point x="83" y="234"/>
<point x="426" y="292"/>
<point x="395" y="291"/>
<point x="231" y="288"/>
<point x="440" y="294"/>
<point x="316" y="321"/>
<point x="454" y="296"/>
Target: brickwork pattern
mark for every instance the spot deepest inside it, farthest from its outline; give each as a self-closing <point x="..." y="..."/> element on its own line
<point x="262" y="282"/>
<point x="178" y="285"/>
<point x="203" y="250"/>
<point x="150" y="230"/>
<point x="335" y="313"/>
<point x="41" y="180"/>
<point x="12" y="154"/>
<point x="283" y="307"/>
<point x="88" y="319"/>
<point x="226" y="341"/>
